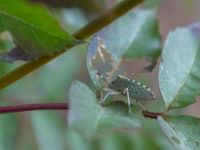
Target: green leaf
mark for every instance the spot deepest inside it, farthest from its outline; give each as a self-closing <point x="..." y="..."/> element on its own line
<point x="134" y="35"/>
<point x="75" y="142"/>
<point x="151" y="139"/>
<point x="89" y="6"/>
<point x="48" y="130"/>
<point x="33" y="29"/>
<point x="128" y="141"/>
<point x="179" y="74"/>
<point x="88" y="118"/>
<point x="9" y="131"/>
<point x="182" y="131"/>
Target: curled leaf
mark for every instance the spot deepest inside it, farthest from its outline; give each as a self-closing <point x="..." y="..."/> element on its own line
<point x="134" y="35"/>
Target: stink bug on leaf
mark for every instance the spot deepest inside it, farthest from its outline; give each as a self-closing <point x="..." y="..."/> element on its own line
<point x="127" y="90"/>
<point x="134" y="92"/>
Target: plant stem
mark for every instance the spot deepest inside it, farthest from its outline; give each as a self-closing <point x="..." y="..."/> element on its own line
<point x="153" y="115"/>
<point x="106" y="18"/>
<point x="92" y="27"/>
<point x="32" y="107"/>
<point x="57" y="106"/>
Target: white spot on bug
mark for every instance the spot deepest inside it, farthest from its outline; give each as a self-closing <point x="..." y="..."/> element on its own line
<point x="144" y="86"/>
<point x="133" y="81"/>
<point x="138" y="83"/>
<point x="148" y="89"/>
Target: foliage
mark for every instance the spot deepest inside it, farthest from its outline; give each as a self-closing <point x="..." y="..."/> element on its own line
<point x="35" y="37"/>
<point x="31" y="34"/>
<point x="141" y="39"/>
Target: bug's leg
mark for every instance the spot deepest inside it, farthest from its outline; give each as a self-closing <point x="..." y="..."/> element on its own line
<point x="128" y="99"/>
<point x="100" y="93"/>
<point x="103" y="100"/>
<point x="105" y="90"/>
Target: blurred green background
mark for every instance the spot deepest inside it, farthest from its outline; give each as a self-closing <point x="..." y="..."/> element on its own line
<point x="47" y="130"/>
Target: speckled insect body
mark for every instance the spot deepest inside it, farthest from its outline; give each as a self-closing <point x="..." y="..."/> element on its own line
<point x="137" y="90"/>
<point x="133" y="90"/>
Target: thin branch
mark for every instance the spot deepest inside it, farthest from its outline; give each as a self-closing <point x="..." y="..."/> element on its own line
<point x="32" y="107"/>
<point x="101" y="21"/>
<point x="58" y="106"/>
<point x="106" y="18"/>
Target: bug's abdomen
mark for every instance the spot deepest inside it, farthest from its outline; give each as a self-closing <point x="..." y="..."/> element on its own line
<point x="139" y="91"/>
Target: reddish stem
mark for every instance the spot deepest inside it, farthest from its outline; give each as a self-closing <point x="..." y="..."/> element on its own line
<point x="153" y="115"/>
<point x="57" y="106"/>
<point x="32" y="107"/>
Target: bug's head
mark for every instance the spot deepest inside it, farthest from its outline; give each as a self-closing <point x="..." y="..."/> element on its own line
<point x="113" y="84"/>
<point x="118" y="83"/>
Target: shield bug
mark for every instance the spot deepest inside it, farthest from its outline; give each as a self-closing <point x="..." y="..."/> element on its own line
<point x="134" y="92"/>
<point x="127" y="90"/>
